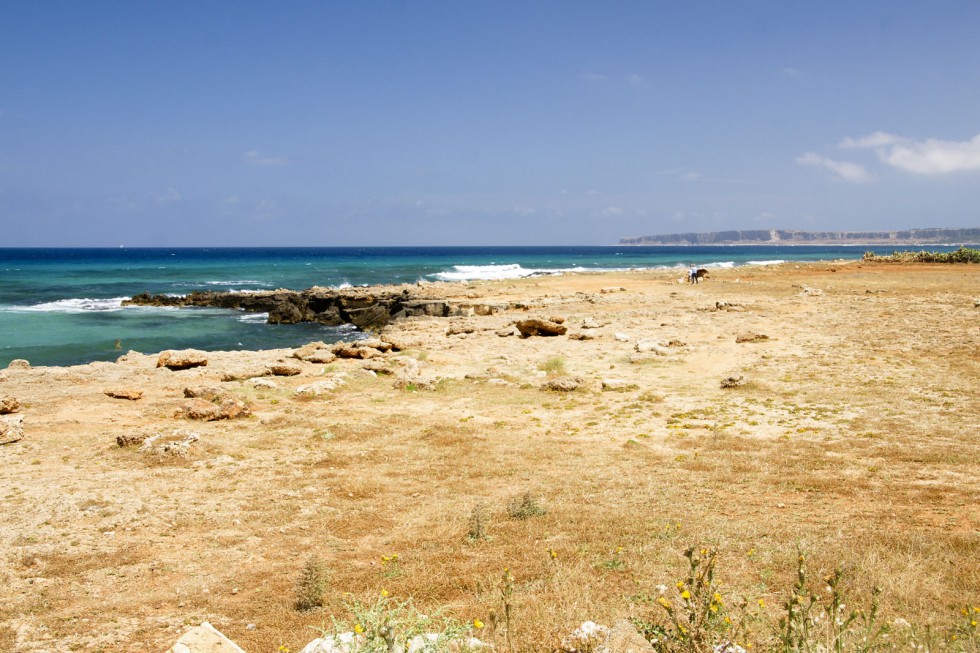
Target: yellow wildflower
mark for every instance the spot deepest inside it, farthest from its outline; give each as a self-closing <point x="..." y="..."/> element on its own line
<point x="664" y="602"/>
<point x="728" y="620"/>
<point x="384" y="593"/>
<point x="713" y="607"/>
<point x="717" y="598"/>
<point x="762" y="603"/>
<point x="359" y="629"/>
<point x="680" y="584"/>
<point x="685" y="594"/>
<point x="477" y="624"/>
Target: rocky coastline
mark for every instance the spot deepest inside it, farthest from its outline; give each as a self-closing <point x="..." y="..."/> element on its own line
<point x="369" y="309"/>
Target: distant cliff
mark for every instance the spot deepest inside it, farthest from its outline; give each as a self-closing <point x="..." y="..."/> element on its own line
<point x="796" y="237"/>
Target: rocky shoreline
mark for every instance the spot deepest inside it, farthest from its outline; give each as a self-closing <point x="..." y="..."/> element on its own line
<point x="369" y="309"/>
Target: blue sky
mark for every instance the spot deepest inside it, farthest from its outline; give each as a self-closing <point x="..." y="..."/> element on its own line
<point x="463" y="123"/>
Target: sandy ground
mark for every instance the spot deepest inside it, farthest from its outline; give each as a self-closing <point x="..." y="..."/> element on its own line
<point x="854" y="435"/>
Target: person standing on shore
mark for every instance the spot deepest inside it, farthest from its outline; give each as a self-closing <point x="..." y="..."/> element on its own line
<point x="693" y="274"/>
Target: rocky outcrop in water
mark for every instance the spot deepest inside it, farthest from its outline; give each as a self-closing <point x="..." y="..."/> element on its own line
<point x="367" y="309"/>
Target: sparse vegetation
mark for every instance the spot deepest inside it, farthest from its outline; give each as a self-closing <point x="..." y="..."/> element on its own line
<point x="312" y="585"/>
<point x="962" y="255"/>
<point x="525" y="507"/>
<point x="553" y="365"/>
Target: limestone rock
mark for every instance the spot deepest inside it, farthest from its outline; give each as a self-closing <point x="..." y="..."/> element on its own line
<point x="651" y="347"/>
<point x="268" y="384"/>
<point x="11" y="428"/>
<point x="321" y="357"/>
<point x="205" y="639"/>
<point x="308" y="349"/>
<point x="284" y="369"/>
<point x="182" y="359"/>
<point x="624" y="638"/>
<point x="751" y="337"/>
<point x="18" y="364"/>
<point x="177" y="443"/>
<point x="592" y="323"/>
<point x="218" y="409"/>
<point x="616" y="384"/>
<point x="315" y="352"/>
<point x="131" y="439"/>
<point x="580" y="336"/>
<point x="123" y="393"/>
<point x="621" y="337"/>
<point x="378" y="366"/>
<point x="732" y="381"/>
<point x="341" y="643"/>
<point x="318" y="388"/>
<point x="535" y="327"/>
<point x="557" y="319"/>
<point x="243" y="374"/>
<point x="208" y="392"/>
<point x="457" y="328"/>
<point x="8" y="404"/>
<point x="506" y="332"/>
<point x="564" y="384"/>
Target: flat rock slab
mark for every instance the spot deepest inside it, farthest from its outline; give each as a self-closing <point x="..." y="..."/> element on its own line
<point x="123" y="393"/>
<point x="204" y="639"/>
<point x="530" y="328"/>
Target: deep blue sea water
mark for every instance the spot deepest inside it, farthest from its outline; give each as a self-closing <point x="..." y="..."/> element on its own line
<point x="62" y="306"/>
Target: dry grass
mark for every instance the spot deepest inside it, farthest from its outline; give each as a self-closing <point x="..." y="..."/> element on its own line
<point x="853" y="436"/>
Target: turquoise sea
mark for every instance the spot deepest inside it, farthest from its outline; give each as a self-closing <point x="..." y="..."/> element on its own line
<point x="63" y="306"/>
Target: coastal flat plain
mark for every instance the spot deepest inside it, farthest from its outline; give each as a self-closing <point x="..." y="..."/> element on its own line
<point x="853" y="437"/>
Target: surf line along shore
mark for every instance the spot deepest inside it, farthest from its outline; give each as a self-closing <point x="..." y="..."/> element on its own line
<point x="369" y="309"/>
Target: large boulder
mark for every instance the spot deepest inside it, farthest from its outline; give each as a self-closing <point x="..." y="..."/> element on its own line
<point x="18" y="364"/>
<point x="535" y="327"/>
<point x="182" y="359"/>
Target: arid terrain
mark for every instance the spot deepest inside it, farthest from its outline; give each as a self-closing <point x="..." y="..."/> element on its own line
<point x="852" y="435"/>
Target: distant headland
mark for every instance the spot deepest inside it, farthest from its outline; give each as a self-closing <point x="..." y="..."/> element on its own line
<point x="937" y="236"/>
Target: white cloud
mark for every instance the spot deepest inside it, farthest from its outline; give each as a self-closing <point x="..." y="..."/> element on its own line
<point x="877" y="139"/>
<point x="929" y="157"/>
<point x="256" y="158"/>
<point x="845" y="169"/>
<point x="789" y="70"/>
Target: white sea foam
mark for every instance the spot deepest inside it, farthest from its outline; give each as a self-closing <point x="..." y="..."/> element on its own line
<point x="494" y="272"/>
<point x="254" y="318"/>
<point x="220" y="282"/>
<point x="82" y="305"/>
<point x="773" y="262"/>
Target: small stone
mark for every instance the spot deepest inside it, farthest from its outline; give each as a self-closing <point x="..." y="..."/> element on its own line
<point x="18" y="364"/>
<point x="564" y="384"/>
<point x="123" y="393"/>
<point x="284" y="369"/>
